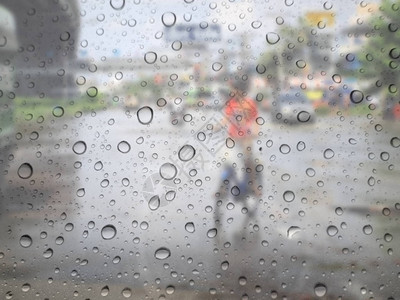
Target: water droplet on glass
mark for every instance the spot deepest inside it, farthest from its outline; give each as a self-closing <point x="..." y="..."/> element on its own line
<point x="230" y="143"/>
<point x="59" y="240"/>
<point x="235" y="191"/>
<point x="292" y="231"/>
<point x="25" y="241"/>
<point x="126" y="293"/>
<point x="256" y="24"/>
<point x="289" y="2"/>
<point x="117" y="4"/>
<point x="58" y="111"/>
<point x="367" y="229"/>
<point x="225" y="265"/>
<point x="119" y="75"/>
<point x="272" y="38"/>
<point x="98" y="166"/>
<point x="168" y="19"/>
<point x="284" y="149"/>
<point x="25" y="171"/>
<point x="108" y="232"/>
<point x="371" y="181"/>
<point x="303" y="116"/>
<point x="79" y="147"/>
<point x="186" y="153"/>
<point x="168" y="171"/>
<point x="170" y="195"/>
<point x="124" y="147"/>
<point x="288" y="196"/>
<point x="261" y="69"/>
<point x="150" y="57"/>
<point x="26" y="287"/>
<point x="145" y="115"/>
<point x="394" y="53"/>
<point x="301" y="64"/>
<point x="48" y="253"/>
<point x="242" y="280"/>
<point x="161" y="102"/>
<point x="65" y="36"/>
<point x="92" y="91"/>
<point x="154" y="202"/>
<point x="189" y="227"/>
<point x="162" y="253"/>
<point x="212" y="233"/>
<point x="329" y="153"/>
<point x="216" y="66"/>
<point x="332" y="230"/>
<point x="80" y="192"/>
<point x="320" y="290"/>
<point x="310" y="172"/>
<point x="104" y="291"/>
<point x="336" y="78"/>
<point x="395" y="142"/>
<point x="356" y="96"/>
<point x="170" y="290"/>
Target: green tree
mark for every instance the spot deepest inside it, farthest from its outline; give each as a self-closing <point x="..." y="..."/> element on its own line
<point x="380" y="56"/>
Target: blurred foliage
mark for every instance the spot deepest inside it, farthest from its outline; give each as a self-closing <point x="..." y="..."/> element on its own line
<point x="380" y="56"/>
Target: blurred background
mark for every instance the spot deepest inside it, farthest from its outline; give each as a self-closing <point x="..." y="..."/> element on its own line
<point x="127" y="169"/>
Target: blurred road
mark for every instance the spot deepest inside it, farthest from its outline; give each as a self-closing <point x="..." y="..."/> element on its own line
<point x="339" y="228"/>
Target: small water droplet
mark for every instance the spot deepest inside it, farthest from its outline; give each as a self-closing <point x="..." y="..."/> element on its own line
<point x="186" y="153"/>
<point x="154" y="202"/>
<point x="92" y="91"/>
<point x="303" y="116"/>
<point x="288" y="196"/>
<point x="26" y="287"/>
<point x="256" y="24"/>
<point x="272" y="38"/>
<point x="124" y="147"/>
<point x="230" y="143"/>
<point x="80" y="192"/>
<point x="371" y="181"/>
<point x="339" y="211"/>
<point x="235" y="191"/>
<point x="189" y="227"/>
<point x="65" y="36"/>
<point x="225" y="265"/>
<point x="337" y="78"/>
<point x="168" y="19"/>
<point x="79" y="147"/>
<point x="168" y="171"/>
<point x="162" y="253"/>
<point x="320" y="290"/>
<point x="301" y="64"/>
<point x="98" y="166"/>
<point x="310" y="172"/>
<point x="108" y="232"/>
<point x="356" y="96"/>
<point x="25" y="241"/>
<point x="25" y="171"/>
<point x="119" y="75"/>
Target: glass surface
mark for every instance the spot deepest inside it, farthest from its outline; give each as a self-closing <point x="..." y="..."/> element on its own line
<point x="199" y="149"/>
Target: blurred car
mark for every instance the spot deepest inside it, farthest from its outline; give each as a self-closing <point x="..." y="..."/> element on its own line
<point x="293" y="107"/>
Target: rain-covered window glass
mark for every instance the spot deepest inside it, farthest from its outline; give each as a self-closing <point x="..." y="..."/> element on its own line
<point x="195" y="149"/>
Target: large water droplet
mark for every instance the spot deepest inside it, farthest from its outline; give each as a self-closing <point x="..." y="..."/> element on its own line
<point x="332" y="230"/>
<point x="292" y="231"/>
<point x="162" y="253"/>
<point x="288" y="196"/>
<point x="367" y="229"/>
<point x="79" y="147"/>
<point x="356" y="96"/>
<point x="395" y="142"/>
<point x="154" y="202"/>
<point x="104" y="291"/>
<point x="329" y="153"/>
<point x="108" y="232"/>
<point x="58" y="111"/>
<point x="117" y="4"/>
<point x="25" y="171"/>
<point x="168" y="171"/>
<point x="126" y="293"/>
<point x="48" y="253"/>
<point x="145" y="115"/>
<point x="186" y="153"/>
<point x="189" y="227"/>
<point x="25" y="241"/>
<point x="150" y="57"/>
<point x="320" y="290"/>
<point x="124" y="147"/>
<point x="168" y="19"/>
<point x="272" y="38"/>
<point x="303" y="116"/>
<point x="212" y="233"/>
